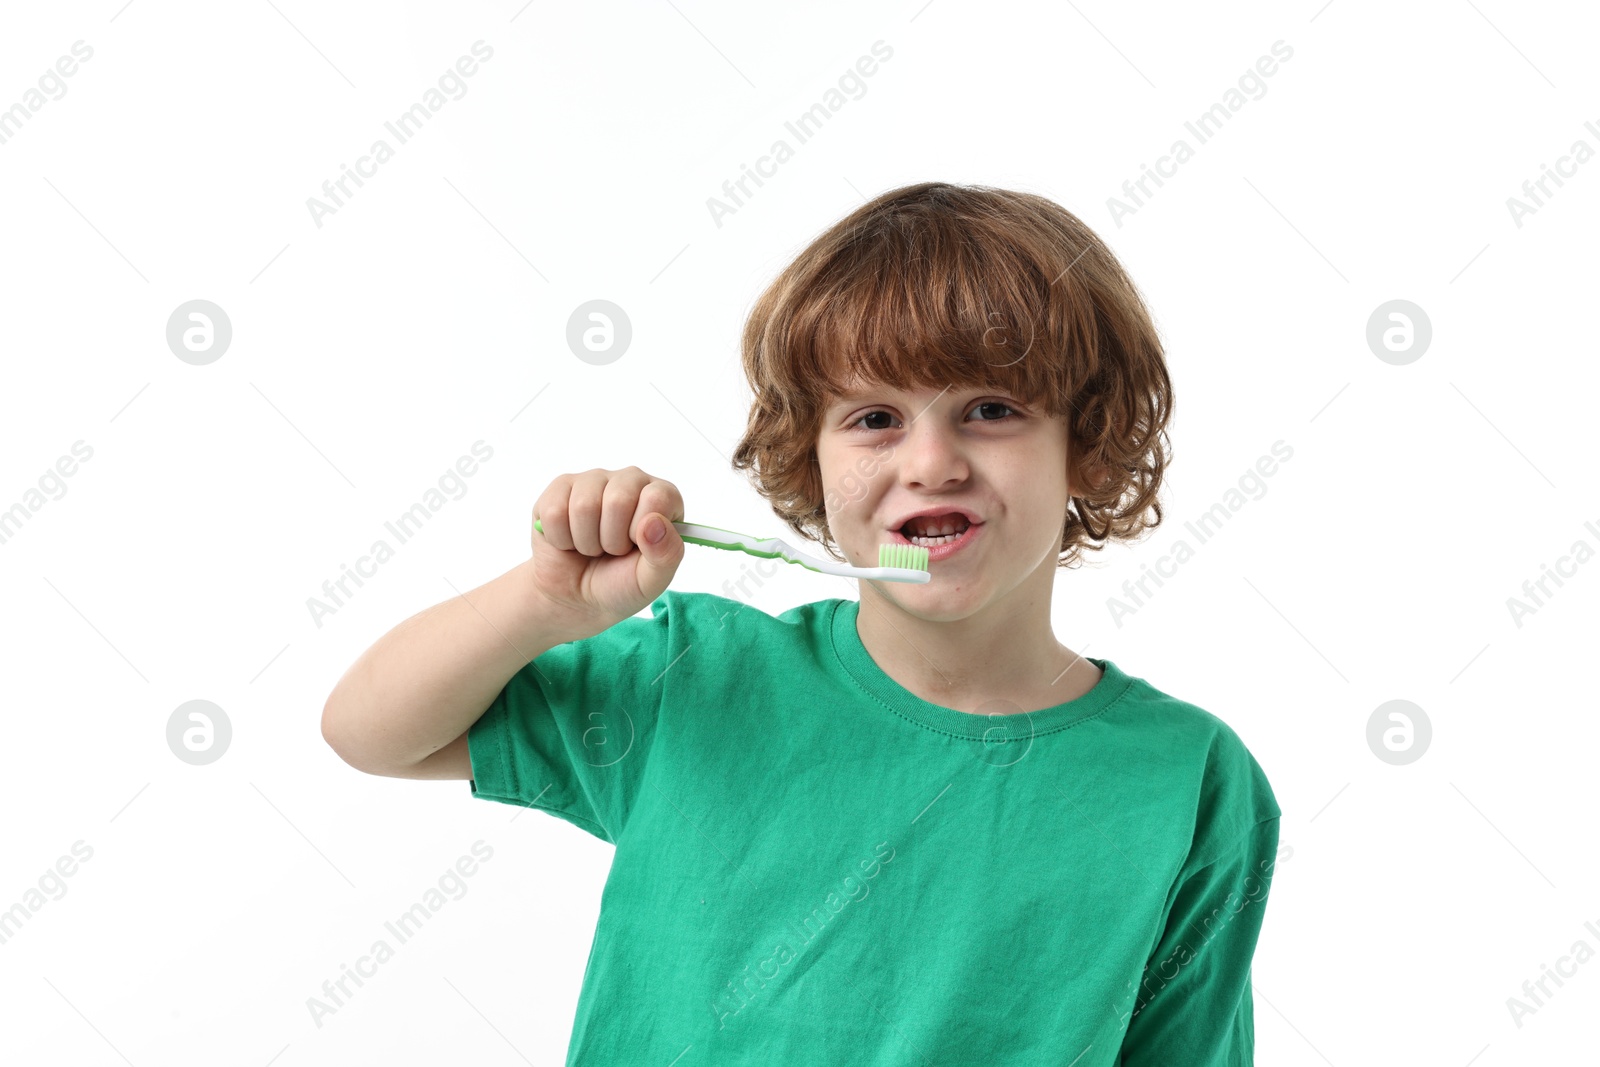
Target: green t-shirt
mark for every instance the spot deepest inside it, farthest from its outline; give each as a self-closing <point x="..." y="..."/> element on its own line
<point x="815" y="866"/>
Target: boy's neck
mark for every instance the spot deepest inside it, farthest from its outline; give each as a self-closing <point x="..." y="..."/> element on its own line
<point x="972" y="664"/>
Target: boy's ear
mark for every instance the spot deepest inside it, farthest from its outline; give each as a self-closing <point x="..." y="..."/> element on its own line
<point x="1094" y="477"/>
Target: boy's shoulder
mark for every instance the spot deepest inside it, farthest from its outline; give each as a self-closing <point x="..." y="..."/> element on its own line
<point x="1181" y="718"/>
<point x="1228" y="782"/>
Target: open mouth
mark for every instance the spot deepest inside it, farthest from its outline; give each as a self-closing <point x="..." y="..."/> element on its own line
<point x="931" y="531"/>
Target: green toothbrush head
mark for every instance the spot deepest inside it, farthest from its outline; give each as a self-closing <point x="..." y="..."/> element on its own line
<point x="907" y="557"/>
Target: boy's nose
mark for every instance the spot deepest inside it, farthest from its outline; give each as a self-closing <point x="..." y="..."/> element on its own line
<point x="931" y="456"/>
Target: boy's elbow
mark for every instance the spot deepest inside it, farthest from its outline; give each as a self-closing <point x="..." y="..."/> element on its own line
<point x="348" y="742"/>
<point x="335" y="736"/>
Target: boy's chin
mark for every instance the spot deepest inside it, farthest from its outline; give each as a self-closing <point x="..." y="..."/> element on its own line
<point x="939" y="600"/>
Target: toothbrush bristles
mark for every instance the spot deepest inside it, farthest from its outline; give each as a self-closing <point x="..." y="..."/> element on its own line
<point x="907" y="557"/>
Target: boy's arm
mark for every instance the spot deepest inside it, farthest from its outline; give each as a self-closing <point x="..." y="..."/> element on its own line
<point x="1194" y="1003"/>
<point x="403" y="708"/>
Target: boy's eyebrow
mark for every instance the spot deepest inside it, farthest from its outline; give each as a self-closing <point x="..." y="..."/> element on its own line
<point x="838" y="396"/>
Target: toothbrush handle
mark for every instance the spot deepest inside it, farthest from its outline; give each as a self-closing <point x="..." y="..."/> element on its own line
<point x="771" y="548"/>
<point x="716" y="537"/>
<point x="696" y="534"/>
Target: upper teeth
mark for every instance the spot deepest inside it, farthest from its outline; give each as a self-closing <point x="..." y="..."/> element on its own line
<point x="936" y="527"/>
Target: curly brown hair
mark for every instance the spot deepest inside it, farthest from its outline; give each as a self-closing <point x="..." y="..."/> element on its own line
<point x="935" y="284"/>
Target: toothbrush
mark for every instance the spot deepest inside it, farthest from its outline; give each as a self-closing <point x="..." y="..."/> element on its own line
<point x="896" y="563"/>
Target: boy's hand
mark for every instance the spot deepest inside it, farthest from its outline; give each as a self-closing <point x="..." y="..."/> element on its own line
<point x="594" y="558"/>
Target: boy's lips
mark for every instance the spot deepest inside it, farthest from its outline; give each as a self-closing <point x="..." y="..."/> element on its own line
<point x="944" y="551"/>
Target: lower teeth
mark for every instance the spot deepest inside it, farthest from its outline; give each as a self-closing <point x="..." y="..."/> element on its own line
<point x="931" y="542"/>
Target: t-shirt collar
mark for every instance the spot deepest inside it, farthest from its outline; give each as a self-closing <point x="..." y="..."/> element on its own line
<point x="855" y="660"/>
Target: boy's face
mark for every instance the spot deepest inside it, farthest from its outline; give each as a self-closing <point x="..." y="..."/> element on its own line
<point x="885" y="454"/>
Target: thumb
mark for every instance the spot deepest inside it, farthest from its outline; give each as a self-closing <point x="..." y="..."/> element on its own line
<point x="658" y="560"/>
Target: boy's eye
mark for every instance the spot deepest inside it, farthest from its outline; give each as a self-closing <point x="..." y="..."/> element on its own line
<point x="995" y="404"/>
<point x="977" y="408"/>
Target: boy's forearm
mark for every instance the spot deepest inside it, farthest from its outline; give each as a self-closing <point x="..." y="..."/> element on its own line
<point x="423" y="683"/>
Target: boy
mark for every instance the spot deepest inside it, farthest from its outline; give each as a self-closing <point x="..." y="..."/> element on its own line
<point x="913" y="829"/>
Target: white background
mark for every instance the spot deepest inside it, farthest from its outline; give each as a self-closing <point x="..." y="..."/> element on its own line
<point x="429" y="312"/>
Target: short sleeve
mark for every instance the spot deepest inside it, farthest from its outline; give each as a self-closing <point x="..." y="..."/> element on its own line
<point x="1194" y="1003"/>
<point x="571" y="732"/>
